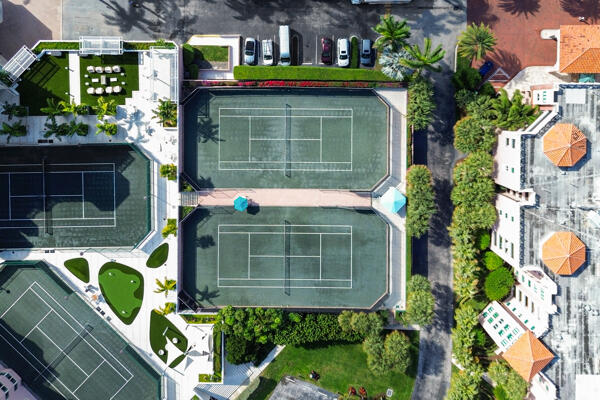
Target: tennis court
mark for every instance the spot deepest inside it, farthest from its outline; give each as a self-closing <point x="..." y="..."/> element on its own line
<point x="285" y="257"/>
<point x="286" y="138"/>
<point x="60" y="347"/>
<point x="51" y="195"/>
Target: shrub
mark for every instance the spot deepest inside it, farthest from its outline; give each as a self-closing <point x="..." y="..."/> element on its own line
<point x="217" y="352"/>
<point x="421" y="200"/>
<point x="56" y="46"/>
<point x="420" y="103"/>
<point x="170" y="228"/>
<point x="392" y="64"/>
<point x="465" y="76"/>
<point x="313" y="328"/>
<point x="513" y="386"/>
<point x="464" y="97"/>
<point x="253" y="324"/>
<point x="193" y="69"/>
<point x="419" y="301"/>
<point x="189" y="54"/>
<point x="354" y="53"/>
<point x="512" y="113"/>
<point x="475" y="193"/>
<point x="474" y="217"/>
<point x="146" y="45"/>
<point x="472" y="134"/>
<point x="169" y="171"/>
<point x="297" y="73"/>
<point x="483" y="240"/>
<point x="498" y="284"/>
<point x="492" y="261"/>
<point x="238" y="350"/>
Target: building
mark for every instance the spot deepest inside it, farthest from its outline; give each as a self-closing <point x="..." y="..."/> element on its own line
<point x="549" y="220"/>
<point x="290" y="388"/>
<point x="528" y="356"/>
<point x="502" y="326"/>
<point x="11" y="387"/>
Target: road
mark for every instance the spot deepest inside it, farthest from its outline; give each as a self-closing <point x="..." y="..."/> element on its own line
<point x="441" y="20"/>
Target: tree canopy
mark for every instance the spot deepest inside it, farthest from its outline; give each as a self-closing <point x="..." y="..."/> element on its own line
<point x="421" y="200"/>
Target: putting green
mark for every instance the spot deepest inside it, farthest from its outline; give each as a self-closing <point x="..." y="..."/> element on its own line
<point x="123" y="290"/>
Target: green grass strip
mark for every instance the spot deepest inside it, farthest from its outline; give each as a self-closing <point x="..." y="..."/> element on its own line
<point x="162" y="329"/>
<point x="123" y="290"/>
<point x="159" y="256"/>
<point x="80" y="268"/>
<point x="214" y="53"/>
<point x="306" y="73"/>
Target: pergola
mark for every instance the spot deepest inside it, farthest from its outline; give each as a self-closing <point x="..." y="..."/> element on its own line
<point x="19" y="63"/>
<point x="99" y="45"/>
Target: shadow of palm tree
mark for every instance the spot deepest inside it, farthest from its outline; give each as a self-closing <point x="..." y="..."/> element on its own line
<point x="590" y="9"/>
<point x="207" y="295"/>
<point x="205" y="241"/>
<point x="509" y="62"/>
<point x="480" y="12"/>
<point x="126" y="18"/>
<point x="520" y="7"/>
<point x="207" y="131"/>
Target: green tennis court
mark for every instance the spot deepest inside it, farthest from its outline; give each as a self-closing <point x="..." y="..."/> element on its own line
<point x="73" y="196"/>
<point x="292" y="257"/>
<point x="332" y="138"/>
<point x="60" y="347"/>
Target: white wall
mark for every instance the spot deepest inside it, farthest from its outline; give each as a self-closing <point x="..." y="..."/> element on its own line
<point x="506" y="233"/>
<point x="507" y="160"/>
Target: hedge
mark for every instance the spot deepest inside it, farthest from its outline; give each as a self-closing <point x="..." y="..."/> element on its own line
<point x="248" y="72"/>
<point x="314" y="328"/>
<point x="498" y="284"/>
<point x="147" y="45"/>
<point x="199" y="318"/>
<point x="188" y="54"/>
<point x="483" y="240"/>
<point x="55" y="46"/>
<point x="193" y="69"/>
<point x="159" y="256"/>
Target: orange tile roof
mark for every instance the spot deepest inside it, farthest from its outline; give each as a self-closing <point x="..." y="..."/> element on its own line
<point x="563" y="253"/>
<point x="564" y="145"/>
<point x="579" y="49"/>
<point x="528" y="356"/>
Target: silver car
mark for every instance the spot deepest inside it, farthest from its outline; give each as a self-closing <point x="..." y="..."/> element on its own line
<point x="267" y="52"/>
<point x="366" y="54"/>
<point x="250" y="51"/>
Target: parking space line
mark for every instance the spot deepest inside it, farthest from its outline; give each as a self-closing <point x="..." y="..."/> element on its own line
<point x="317" y="61"/>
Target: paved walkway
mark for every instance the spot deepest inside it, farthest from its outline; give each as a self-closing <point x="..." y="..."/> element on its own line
<point x="231" y="41"/>
<point x="74" y="77"/>
<point x="286" y="198"/>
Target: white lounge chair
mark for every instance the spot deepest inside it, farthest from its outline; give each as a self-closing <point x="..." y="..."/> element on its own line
<point x="108" y="70"/>
<point x="90" y="69"/>
<point x="109" y="90"/>
<point x="99" y="90"/>
<point x="116" y="89"/>
<point x="90" y="90"/>
<point x="116" y="69"/>
<point x="99" y="70"/>
<point x="95" y="80"/>
<point x="113" y="79"/>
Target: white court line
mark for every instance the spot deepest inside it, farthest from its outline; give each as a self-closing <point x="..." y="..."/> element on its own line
<point x="249" y="255"/>
<point x="294" y="162"/>
<point x="278" y="256"/>
<point x="320" y="255"/>
<point x="283" y="116"/>
<point x="87" y="377"/>
<point x="291" y="225"/>
<point x="290" y="233"/>
<point x="9" y="210"/>
<point x="81" y="326"/>
<point x="281" y="279"/>
<point x="18" y="298"/>
<point x="281" y="286"/>
<point x="36" y="325"/>
<point x="249" y="138"/>
<point x="62" y="350"/>
<point x="82" y="202"/>
<point x="58" y="219"/>
<point x="40" y="196"/>
<point x="321" y="137"/>
<point x="269" y="139"/>
<point x="283" y="108"/>
<point x="283" y="169"/>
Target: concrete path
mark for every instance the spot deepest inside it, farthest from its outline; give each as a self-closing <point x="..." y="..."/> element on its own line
<point x="233" y="42"/>
<point x="286" y="198"/>
<point x="74" y="78"/>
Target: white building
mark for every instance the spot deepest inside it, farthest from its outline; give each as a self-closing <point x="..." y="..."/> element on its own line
<point x="502" y="326"/>
<point x="11" y="387"/>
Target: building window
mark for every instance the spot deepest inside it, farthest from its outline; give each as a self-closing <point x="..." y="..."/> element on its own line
<point x="526" y="301"/>
<point x="520" y="296"/>
<point x="490" y="320"/>
<point x="495" y="315"/>
<point x="512" y="250"/>
<point x="512" y="170"/>
<point x="512" y="219"/>
<point x="500" y="245"/>
<point x="500" y="332"/>
<point x="494" y="237"/>
<point x="513" y="143"/>
<point x="509" y="336"/>
<point x="507" y="141"/>
<point x="532" y="307"/>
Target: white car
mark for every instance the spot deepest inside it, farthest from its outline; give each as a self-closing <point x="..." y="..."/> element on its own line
<point x="250" y="51"/>
<point x="343" y="52"/>
<point x="267" y="52"/>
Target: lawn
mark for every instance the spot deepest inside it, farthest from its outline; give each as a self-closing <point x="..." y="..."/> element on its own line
<point x="129" y="65"/>
<point x="80" y="268"/>
<point x="46" y="78"/>
<point x="123" y="290"/>
<point x="161" y="329"/>
<point x="214" y="53"/>
<point x="300" y="73"/>
<point x="159" y="256"/>
<point x="340" y="366"/>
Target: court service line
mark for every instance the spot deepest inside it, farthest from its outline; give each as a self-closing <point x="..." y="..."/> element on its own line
<point x="87" y="377"/>
<point x="281" y="287"/>
<point x="290" y="279"/>
<point x="9" y="210"/>
<point x="18" y="298"/>
<point x="62" y="350"/>
<point x="35" y="326"/>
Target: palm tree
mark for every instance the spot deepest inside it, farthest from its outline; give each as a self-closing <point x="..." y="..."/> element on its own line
<point x="165" y="286"/>
<point x="52" y="109"/>
<point x="166" y="113"/>
<point x="391" y="64"/>
<point x="425" y="59"/>
<point x="13" y="130"/>
<point x="476" y="41"/>
<point x="167" y="309"/>
<point x="105" y="107"/>
<point x="108" y="128"/>
<point x="13" y="110"/>
<point x="72" y="108"/>
<point x="392" y="33"/>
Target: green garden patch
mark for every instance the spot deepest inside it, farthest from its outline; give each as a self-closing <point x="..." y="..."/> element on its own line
<point x="159" y="256"/>
<point x="123" y="290"/>
<point x="80" y="268"/>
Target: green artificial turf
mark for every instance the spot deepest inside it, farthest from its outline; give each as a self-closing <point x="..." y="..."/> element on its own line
<point x="80" y="268"/>
<point x="123" y="290"/>
<point x="129" y="65"/>
<point x="46" y="78"/>
<point x="340" y="366"/>
<point x="161" y="329"/>
<point x="214" y="53"/>
<point x="159" y="256"/>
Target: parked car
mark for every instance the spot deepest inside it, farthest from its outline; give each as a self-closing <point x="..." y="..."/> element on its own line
<point x="326" y="51"/>
<point x="366" y="54"/>
<point x="343" y="52"/>
<point x="267" y="52"/>
<point x="284" y="45"/>
<point x="485" y="68"/>
<point x="250" y="51"/>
